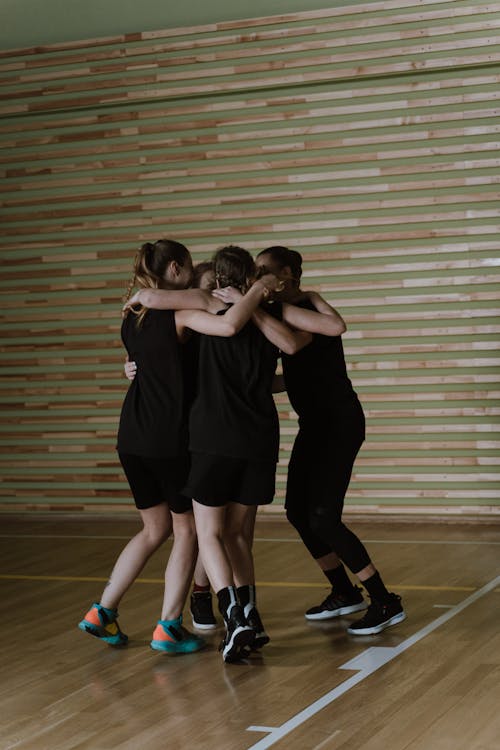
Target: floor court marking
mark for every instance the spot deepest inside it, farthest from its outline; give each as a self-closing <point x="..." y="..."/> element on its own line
<point x="366" y="663"/>
<point x="260" y="584"/>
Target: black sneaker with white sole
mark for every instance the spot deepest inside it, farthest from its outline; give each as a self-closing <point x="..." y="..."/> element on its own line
<point x="239" y="635"/>
<point x="253" y="619"/>
<point x="336" y="605"/>
<point x="378" y="617"/>
<point x="202" y="612"/>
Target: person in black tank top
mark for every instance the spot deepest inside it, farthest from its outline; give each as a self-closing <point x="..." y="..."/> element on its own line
<point x="224" y="338"/>
<point x="331" y="432"/>
<point x="152" y="446"/>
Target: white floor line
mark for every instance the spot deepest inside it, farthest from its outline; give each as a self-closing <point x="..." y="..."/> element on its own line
<point x="368" y="662"/>
<point x="322" y="744"/>
<point x="443" y="606"/>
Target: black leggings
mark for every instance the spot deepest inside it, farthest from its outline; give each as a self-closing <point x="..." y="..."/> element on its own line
<point x="319" y="472"/>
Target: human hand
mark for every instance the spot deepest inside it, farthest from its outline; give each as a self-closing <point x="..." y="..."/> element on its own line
<point x="134" y="300"/>
<point x="228" y="294"/>
<point x="130" y="370"/>
<point x="271" y="282"/>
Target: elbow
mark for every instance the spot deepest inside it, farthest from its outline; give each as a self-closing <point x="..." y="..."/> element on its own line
<point x="294" y="345"/>
<point x="290" y="348"/>
<point x="337" y="328"/>
<point x="229" y="329"/>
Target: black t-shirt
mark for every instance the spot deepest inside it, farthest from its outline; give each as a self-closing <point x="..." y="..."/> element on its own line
<point x="316" y="378"/>
<point x="153" y="420"/>
<point x="234" y="412"/>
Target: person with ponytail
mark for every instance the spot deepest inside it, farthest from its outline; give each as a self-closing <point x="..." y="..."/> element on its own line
<point x="331" y="432"/>
<point x="234" y="440"/>
<point x="152" y="437"/>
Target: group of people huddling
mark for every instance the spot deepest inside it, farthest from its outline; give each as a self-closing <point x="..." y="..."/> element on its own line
<point x="199" y="436"/>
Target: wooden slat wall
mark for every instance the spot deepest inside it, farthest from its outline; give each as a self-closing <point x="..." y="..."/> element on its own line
<point x="367" y="137"/>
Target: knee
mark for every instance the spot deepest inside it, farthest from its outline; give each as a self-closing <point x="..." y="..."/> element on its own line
<point x="184" y="526"/>
<point x="325" y="521"/>
<point x="233" y="535"/>
<point x="156" y="535"/>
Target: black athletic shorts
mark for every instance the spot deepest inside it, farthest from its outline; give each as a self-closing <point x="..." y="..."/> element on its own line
<point x="157" y="480"/>
<point x="218" y="480"/>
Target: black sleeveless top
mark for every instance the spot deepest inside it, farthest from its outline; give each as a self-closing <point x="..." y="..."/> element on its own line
<point x="234" y="412"/>
<point x="316" y="378"/>
<point x="153" y="416"/>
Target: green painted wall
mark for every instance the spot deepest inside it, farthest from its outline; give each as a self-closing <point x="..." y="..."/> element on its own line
<point x="26" y="23"/>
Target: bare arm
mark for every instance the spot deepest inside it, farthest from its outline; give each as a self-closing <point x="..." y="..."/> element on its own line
<point x="174" y="299"/>
<point x="327" y="324"/>
<point x="320" y="303"/>
<point x="279" y="334"/>
<point x="223" y="325"/>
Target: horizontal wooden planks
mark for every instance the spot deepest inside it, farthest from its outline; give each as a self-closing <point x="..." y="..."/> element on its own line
<point x="367" y="137"/>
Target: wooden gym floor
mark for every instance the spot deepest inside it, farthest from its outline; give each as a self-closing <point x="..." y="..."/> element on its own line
<point x="430" y="683"/>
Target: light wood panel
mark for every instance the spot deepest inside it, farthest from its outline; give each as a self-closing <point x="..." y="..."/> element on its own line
<point x="366" y="137"/>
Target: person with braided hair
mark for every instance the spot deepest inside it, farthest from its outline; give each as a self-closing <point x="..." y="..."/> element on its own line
<point x="152" y="437"/>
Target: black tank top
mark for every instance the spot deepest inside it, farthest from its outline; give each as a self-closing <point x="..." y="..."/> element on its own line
<point x="153" y="419"/>
<point x="234" y="412"/>
<point x="316" y="378"/>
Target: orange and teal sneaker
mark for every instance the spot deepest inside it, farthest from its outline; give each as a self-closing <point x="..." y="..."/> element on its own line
<point x="171" y="637"/>
<point x="102" y="623"/>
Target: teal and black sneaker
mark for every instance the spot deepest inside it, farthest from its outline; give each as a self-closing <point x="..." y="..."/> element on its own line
<point x="170" y="636"/>
<point x="102" y="623"/>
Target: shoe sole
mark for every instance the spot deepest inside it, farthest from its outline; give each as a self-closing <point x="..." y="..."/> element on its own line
<point x="378" y="628"/>
<point x="260" y="640"/>
<point x="204" y="625"/>
<point x="330" y="614"/>
<point x="113" y="640"/>
<point x="175" y="648"/>
<point x="242" y="638"/>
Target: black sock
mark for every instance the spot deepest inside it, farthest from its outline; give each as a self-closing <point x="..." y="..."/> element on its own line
<point x="227" y="599"/>
<point x="341" y="583"/>
<point x="246" y="595"/>
<point x="375" y="587"/>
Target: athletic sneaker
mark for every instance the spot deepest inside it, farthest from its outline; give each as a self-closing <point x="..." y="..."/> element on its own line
<point x="170" y="636"/>
<point x="253" y="619"/>
<point x="102" y="623"/>
<point x="239" y="635"/>
<point x="378" y="617"/>
<point x="202" y="613"/>
<point x="336" y="605"/>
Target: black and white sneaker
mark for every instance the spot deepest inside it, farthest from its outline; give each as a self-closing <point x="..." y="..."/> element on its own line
<point x="202" y="612"/>
<point x="253" y="619"/>
<point x="336" y="605"/>
<point x="239" y="635"/>
<point x="379" y="617"/>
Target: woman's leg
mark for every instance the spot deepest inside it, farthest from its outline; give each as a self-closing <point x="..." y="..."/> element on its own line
<point x="157" y="527"/>
<point x="200" y="577"/>
<point x="169" y="635"/>
<point x="179" y="570"/>
<point x="240" y="524"/>
<point x="210" y="523"/>
<point x="101" y="619"/>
